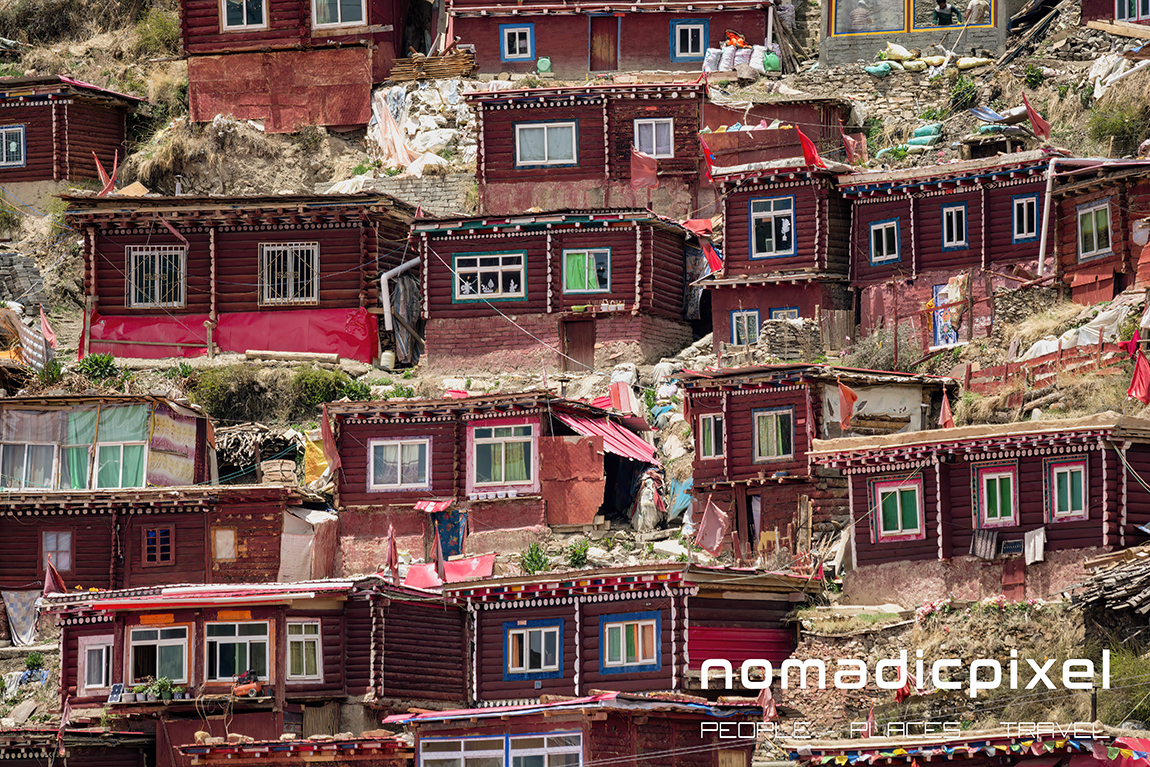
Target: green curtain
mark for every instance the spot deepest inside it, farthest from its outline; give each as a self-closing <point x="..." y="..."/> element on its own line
<point x="576" y="271"/>
<point x="108" y="465"/>
<point x="127" y="423"/>
<point x="80" y="434"/>
<point x="516" y="462"/>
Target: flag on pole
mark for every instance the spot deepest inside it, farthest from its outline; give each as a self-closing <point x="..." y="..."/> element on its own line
<point x="1040" y="126"/>
<point x="439" y="558"/>
<point x="810" y="151"/>
<point x="847" y="399"/>
<point x="391" y="562"/>
<point x="945" y="419"/>
<point x="46" y="329"/>
<point x="767" y="701"/>
<point x="53" y="583"/>
<point x="1140" y="384"/>
<point x="712" y="529"/>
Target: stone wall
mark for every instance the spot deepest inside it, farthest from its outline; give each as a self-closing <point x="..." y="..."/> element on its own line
<point x="799" y="340"/>
<point x="1013" y="306"/>
<point x="453" y="194"/>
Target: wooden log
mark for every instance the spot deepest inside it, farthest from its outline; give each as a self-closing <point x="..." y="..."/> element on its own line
<point x="1121" y="28"/>
<point x="332" y="359"/>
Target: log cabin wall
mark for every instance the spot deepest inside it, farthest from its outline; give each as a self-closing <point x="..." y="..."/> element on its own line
<point x="87" y="129"/>
<point x="498" y="161"/>
<point x="358" y="673"/>
<point x="334" y="649"/>
<point x="686" y="115"/>
<point x="42" y="136"/>
<point x="808" y="201"/>
<point x="92" y="554"/>
<point x="424" y="651"/>
<point x="353" y="489"/>
<point x="493" y="682"/>
<point x="77" y="635"/>
<point x="257" y="529"/>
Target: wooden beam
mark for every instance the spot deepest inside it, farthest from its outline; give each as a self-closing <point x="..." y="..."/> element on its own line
<point x="1121" y="28"/>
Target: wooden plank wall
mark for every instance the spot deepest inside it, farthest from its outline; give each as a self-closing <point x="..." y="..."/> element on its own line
<point x="622" y="113"/>
<point x="333" y="651"/>
<point x="425" y="652"/>
<point x="447" y="471"/>
<point x="498" y="140"/>
<point x="440" y="287"/>
<point x="666" y="267"/>
<point x="900" y="551"/>
<point x="190" y="532"/>
<point x="591" y="679"/>
<point x="21" y="567"/>
<point x="258" y="530"/>
<point x="808" y="246"/>
<point x="489" y="637"/>
<point x="357" y="672"/>
<point x="39" y="155"/>
<point x="90" y="128"/>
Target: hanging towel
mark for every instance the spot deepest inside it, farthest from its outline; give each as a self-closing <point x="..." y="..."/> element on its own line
<point x="22" y="615"/>
<point x="1034" y="546"/>
<point x="984" y="544"/>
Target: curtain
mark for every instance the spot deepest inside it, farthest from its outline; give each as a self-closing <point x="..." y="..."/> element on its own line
<point x="663" y="138"/>
<point x="385" y="465"/>
<point x="79" y="434"/>
<point x="576" y="270"/>
<point x="516" y="461"/>
<point x="414" y="463"/>
<point x="485" y="462"/>
<point x="108" y="465"/>
<point x="325" y="11"/>
<point x="133" y="470"/>
<point x="12" y="466"/>
<point x="532" y="145"/>
<point x="350" y="11"/>
<point x="561" y="143"/>
<point x="27" y="426"/>
<point x="127" y="423"/>
<point x="600" y="274"/>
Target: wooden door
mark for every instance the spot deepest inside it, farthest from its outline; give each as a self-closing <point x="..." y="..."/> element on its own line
<point x="604" y="43"/>
<point x="578" y="345"/>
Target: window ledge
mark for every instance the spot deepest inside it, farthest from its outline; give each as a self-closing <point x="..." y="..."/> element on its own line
<point x="474" y="497"/>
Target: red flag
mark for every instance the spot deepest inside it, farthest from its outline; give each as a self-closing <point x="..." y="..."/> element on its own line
<point x="869" y="729"/>
<point x="438" y="554"/>
<point x="847" y="399"/>
<point x="855" y="147"/>
<point x="1132" y="346"/>
<point x="712" y="529"/>
<point x="767" y="701"/>
<point x="708" y="156"/>
<point x="1140" y="385"/>
<point x="53" y="583"/>
<point x="810" y="151"/>
<point x="419" y="209"/>
<point x="329" y="449"/>
<point x="108" y="181"/>
<point x="714" y="260"/>
<point x="1040" y="126"/>
<point x="908" y="689"/>
<point x="46" y="329"/>
<point x="945" y="419"/>
<point x="644" y="171"/>
<point x="392" y="561"/>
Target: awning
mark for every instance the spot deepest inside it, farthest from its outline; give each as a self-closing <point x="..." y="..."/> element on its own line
<point x="616" y="439"/>
<point x="433" y="506"/>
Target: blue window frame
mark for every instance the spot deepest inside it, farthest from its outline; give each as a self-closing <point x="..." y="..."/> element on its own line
<point x="521" y="749"/>
<point x="630" y="643"/>
<point x="745" y="326"/>
<point x="772" y="222"/>
<point x="785" y="313"/>
<point x="885" y="242"/>
<point x="1024" y="217"/>
<point x="497" y="276"/>
<point x="533" y="649"/>
<point x="689" y="38"/>
<point x="13" y="147"/>
<point x="954" y="229"/>
<point x="516" y="42"/>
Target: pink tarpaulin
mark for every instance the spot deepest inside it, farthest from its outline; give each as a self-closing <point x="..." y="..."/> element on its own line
<point x="422" y="577"/>
<point x="433" y="506"/>
<point x="616" y="439"/>
<point x="350" y="333"/>
<point x="458" y="570"/>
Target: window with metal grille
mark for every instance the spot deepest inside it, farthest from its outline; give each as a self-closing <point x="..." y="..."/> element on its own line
<point x="289" y="273"/>
<point x="12" y="146"/>
<point x="156" y="275"/>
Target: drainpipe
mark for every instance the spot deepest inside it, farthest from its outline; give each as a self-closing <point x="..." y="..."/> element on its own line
<point x="1045" y="220"/>
<point x="385" y="291"/>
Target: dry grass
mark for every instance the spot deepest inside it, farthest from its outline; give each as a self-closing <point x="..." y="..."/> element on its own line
<point x="1052" y="322"/>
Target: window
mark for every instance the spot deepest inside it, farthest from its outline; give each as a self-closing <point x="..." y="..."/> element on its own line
<point x="1025" y="218"/>
<point x="120" y="465"/>
<point x="224" y="544"/>
<point x="156" y="275"/>
<point x="56" y="547"/>
<point x="655" y="137"/>
<point x="884" y="242"/>
<point x="785" y="313"/>
<point x="996" y="491"/>
<point x="503" y="455"/>
<point x="954" y="227"/>
<point x="1093" y="229"/>
<point x="711" y="436"/>
<point x="289" y="273"/>
<point x="23" y="466"/>
<point x="1066" y="483"/>
<point x="518" y="42"/>
<point x="629" y="642"/>
<point x="562" y="749"/>
<point x="587" y="271"/>
<point x="304" y="651"/>
<point x="157" y="652"/>
<point x="487" y="276"/>
<point x="898" y="507"/>
<point x="533" y="649"/>
<point x="159" y="546"/>
<point x="233" y="648"/>
<point x="745" y="327"/>
<point x="774" y="434"/>
<point x="95" y="656"/>
<point x="336" y="13"/>
<point x="1131" y="10"/>
<point x="772" y="227"/>
<point x="546" y="144"/>
<point x="689" y="39"/>
<point x="398" y="464"/>
<point x="243" y="14"/>
<point x="12" y="149"/>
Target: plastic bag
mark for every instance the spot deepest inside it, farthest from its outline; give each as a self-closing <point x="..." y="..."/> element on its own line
<point x="970" y="62"/>
<point x="757" y="54"/>
<point x="916" y="65"/>
<point x="933" y="129"/>
<point x="743" y="56"/>
<point x="727" y="62"/>
<point x="881" y="69"/>
<point x="895" y="52"/>
<point x="711" y="60"/>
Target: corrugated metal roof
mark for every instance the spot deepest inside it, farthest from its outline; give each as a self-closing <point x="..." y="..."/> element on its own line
<point x="616" y="439"/>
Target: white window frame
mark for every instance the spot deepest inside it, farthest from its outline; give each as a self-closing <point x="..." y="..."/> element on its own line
<point x="527" y="31"/>
<point x="775" y="414"/>
<point x="503" y="268"/>
<point x="885" y="258"/>
<point x="23" y="479"/>
<point x="642" y="659"/>
<point x="247" y="640"/>
<point x="529" y="438"/>
<point x="5" y="162"/>
<point x="785" y="313"/>
<point x="768" y="216"/>
<point x="707" y="425"/>
<point x="547" y="128"/>
<point x="293" y="297"/>
<point x="589" y="256"/>
<point x="305" y="639"/>
<point x="739" y="319"/>
<point x="399" y="484"/>
<point x="1019" y="214"/>
<point x="1122" y="10"/>
<point x="654" y="124"/>
<point x="44" y="553"/>
<point x="1072" y="513"/>
<point x="85" y="644"/>
<point x="526" y="632"/>
<point x="997" y="476"/>
<point x="169" y="642"/>
<point x="1092" y="210"/>
<point x="679" y="52"/>
<point x="954" y="216"/>
<point x="99" y="447"/>
<point x="339" y="10"/>
<point x="226" y="27"/>
<point x="134" y="256"/>
<point x="500" y="747"/>
<point x="898" y="489"/>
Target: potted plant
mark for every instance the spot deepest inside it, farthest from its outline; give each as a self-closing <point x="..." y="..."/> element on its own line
<point x="179" y="693"/>
<point x="163" y="688"/>
<point x="129" y="695"/>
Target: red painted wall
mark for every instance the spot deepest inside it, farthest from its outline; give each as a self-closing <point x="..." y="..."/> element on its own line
<point x="809" y="297"/>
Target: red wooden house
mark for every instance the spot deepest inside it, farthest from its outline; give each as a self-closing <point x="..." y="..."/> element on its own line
<point x="635" y="629"/>
<point x="945" y="234"/>
<point x="296" y="63"/>
<point x="600" y="37"/>
<point x="50" y="130"/>
<point x="753" y="430"/>
<point x="625" y="728"/>
<point x="375" y="749"/>
<point x="31" y="746"/>
<point x="961" y="511"/>
<point x="311" y="645"/>
<point x="582" y="283"/>
<point x="495" y="469"/>
<point x="1130" y="11"/>
<point x="785" y="230"/>
<point x="570" y="147"/>
<point x="184" y="276"/>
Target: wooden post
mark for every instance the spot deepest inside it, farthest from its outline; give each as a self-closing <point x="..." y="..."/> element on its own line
<point x="895" y="363"/>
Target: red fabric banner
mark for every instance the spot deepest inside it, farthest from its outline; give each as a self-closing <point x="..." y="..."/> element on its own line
<point x="847" y="399"/>
<point x="1140" y="384"/>
<point x="945" y="418"/>
<point x="712" y="529"/>
<point x="1041" y="127"/>
<point x="644" y="171"/>
<point x="810" y="151"/>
